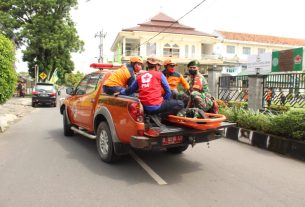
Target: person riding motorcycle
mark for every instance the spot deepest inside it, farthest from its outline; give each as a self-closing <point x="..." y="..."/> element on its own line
<point x="123" y="77"/>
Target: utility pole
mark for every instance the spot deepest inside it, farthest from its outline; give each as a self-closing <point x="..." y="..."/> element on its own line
<point x="101" y="36"/>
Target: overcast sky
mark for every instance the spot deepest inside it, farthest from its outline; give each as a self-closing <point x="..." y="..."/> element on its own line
<point x="269" y="17"/>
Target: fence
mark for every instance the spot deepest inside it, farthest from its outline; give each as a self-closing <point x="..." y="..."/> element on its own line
<point x="286" y="89"/>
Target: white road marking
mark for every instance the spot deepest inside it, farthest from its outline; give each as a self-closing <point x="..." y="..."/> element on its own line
<point x="152" y="173"/>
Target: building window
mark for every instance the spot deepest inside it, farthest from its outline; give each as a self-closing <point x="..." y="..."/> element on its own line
<point x="151" y="49"/>
<point x="186" y="51"/>
<point x="230" y="49"/>
<point x="169" y="51"/>
<point x="193" y="51"/>
<point x="261" y="50"/>
<point x="230" y="70"/>
<point x="246" y="50"/>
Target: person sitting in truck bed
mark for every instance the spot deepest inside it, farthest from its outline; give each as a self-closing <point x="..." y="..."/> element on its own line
<point x="150" y="85"/>
<point x="123" y="77"/>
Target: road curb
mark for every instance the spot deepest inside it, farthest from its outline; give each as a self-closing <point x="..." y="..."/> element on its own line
<point x="281" y="145"/>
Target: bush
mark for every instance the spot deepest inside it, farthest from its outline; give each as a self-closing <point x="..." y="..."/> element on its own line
<point x="289" y="124"/>
<point x="8" y="76"/>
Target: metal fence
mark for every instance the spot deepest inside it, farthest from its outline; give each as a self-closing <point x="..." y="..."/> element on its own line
<point x="233" y="88"/>
<point x="287" y="89"/>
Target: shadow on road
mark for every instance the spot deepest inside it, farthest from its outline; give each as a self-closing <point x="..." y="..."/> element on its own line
<point x="170" y="167"/>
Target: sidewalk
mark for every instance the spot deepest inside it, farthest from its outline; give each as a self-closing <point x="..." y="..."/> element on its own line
<point x="14" y="109"/>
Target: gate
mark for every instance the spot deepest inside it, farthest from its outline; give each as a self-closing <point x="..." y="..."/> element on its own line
<point x="287" y="89"/>
<point x="233" y="88"/>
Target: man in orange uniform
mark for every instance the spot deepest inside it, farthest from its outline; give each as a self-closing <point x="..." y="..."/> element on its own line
<point x="173" y="77"/>
<point x="123" y="77"/>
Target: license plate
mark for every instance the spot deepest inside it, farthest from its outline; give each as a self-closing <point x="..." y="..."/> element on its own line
<point x="172" y="140"/>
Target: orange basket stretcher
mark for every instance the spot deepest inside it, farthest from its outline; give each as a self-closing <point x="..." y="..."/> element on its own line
<point x="212" y="122"/>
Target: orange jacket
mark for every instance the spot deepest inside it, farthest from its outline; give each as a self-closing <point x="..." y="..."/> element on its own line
<point x="121" y="77"/>
<point x="174" y="79"/>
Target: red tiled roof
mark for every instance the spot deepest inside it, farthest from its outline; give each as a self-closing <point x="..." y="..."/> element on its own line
<point x="165" y="24"/>
<point x="261" y="38"/>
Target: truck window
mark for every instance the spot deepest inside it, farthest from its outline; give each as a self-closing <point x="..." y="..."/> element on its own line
<point x="92" y="82"/>
<point x="81" y="88"/>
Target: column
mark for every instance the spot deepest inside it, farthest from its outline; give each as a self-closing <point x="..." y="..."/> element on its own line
<point x="255" y="89"/>
<point x="213" y="78"/>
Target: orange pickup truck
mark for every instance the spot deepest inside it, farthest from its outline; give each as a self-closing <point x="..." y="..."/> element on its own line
<point x="119" y="123"/>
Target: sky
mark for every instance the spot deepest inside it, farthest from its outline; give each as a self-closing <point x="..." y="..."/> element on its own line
<point x="267" y="17"/>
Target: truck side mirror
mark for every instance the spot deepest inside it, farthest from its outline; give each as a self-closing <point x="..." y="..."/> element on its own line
<point x="70" y="91"/>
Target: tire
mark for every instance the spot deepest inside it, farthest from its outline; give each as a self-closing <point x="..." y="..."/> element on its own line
<point x="54" y="104"/>
<point x="177" y="150"/>
<point x="33" y="104"/>
<point x="104" y="143"/>
<point x="67" y="127"/>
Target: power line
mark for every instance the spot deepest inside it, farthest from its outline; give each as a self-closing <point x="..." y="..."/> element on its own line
<point x="170" y="24"/>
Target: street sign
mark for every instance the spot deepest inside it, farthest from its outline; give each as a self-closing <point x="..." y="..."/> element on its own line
<point x="43" y="75"/>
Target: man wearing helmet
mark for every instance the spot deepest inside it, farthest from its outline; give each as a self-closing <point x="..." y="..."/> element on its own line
<point x="123" y="77"/>
<point x="150" y="86"/>
<point x="199" y="87"/>
<point x="173" y="77"/>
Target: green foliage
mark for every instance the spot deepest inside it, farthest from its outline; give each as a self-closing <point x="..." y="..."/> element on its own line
<point x="47" y="31"/>
<point x="238" y="104"/>
<point x="72" y="79"/>
<point x="289" y="124"/>
<point x="8" y="77"/>
<point x="279" y="108"/>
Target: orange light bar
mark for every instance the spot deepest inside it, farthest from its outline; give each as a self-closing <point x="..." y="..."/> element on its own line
<point x="105" y="66"/>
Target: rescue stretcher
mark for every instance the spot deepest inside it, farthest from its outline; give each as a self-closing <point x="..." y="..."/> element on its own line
<point x="212" y="121"/>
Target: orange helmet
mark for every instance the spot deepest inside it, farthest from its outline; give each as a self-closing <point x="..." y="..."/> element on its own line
<point x="136" y="59"/>
<point x="169" y="62"/>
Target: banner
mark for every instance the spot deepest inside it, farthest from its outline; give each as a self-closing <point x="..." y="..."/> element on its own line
<point x="287" y="60"/>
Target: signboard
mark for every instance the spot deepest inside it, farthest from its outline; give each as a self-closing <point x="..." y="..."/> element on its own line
<point x="287" y="60"/>
<point x="43" y="75"/>
<point x="259" y="63"/>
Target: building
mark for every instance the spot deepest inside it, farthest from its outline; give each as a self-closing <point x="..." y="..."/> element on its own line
<point x="235" y="48"/>
<point x="164" y="37"/>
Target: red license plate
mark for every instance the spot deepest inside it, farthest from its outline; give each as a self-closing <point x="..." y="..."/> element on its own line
<point x="172" y="140"/>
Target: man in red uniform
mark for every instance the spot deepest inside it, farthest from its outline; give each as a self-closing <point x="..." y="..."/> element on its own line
<point x="150" y="85"/>
<point x="123" y="77"/>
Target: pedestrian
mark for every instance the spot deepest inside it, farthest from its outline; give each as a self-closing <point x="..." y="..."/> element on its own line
<point x="269" y="97"/>
<point x="123" y="77"/>
<point x="150" y="85"/>
<point x="200" y="97"/>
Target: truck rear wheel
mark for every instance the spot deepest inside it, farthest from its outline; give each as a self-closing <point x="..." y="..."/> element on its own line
<point x="177" y="150"/>
<point x="67" y="129"/>
<point x="104" y="143"/>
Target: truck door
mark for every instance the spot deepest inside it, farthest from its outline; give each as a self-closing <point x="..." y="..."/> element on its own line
<point x="88" y="101"/>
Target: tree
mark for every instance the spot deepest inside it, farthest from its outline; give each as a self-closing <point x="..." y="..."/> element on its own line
<point x="8" y="76"/>
<point x="73" y="79"/>
<point x="46" y="30"/>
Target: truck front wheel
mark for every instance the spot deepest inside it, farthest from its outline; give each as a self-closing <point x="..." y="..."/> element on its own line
<point x="104" y="143"/>
<point x="67" y="130"/>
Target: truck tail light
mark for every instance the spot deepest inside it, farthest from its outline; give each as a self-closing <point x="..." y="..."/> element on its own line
<point x="136" y="111"/>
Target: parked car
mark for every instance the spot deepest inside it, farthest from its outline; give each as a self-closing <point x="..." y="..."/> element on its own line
<point x="44" y="93"/>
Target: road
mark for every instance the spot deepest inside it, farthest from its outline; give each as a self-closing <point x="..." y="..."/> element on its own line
<point x="40" y="167"/>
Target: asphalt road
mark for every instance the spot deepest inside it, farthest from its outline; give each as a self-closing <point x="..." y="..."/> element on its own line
<point x="40" y="167"/>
